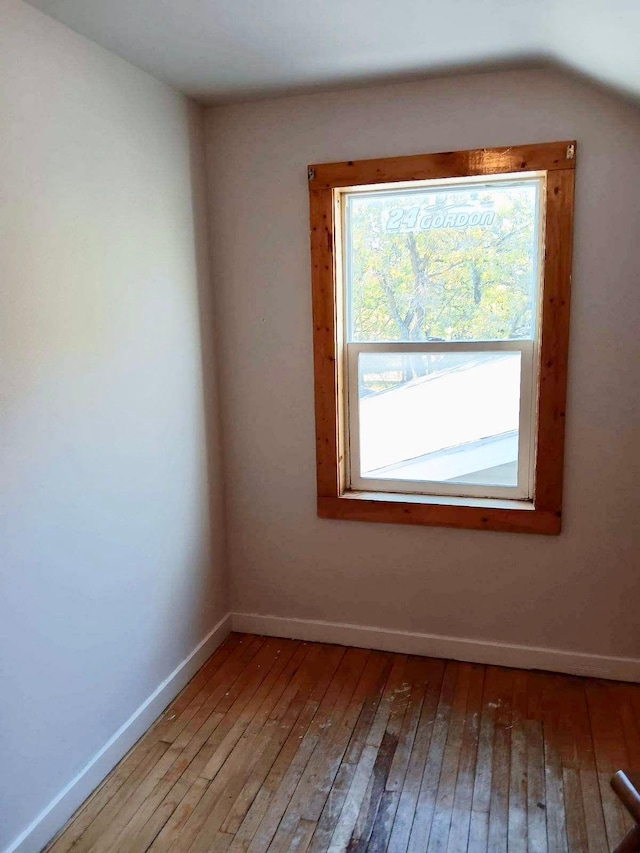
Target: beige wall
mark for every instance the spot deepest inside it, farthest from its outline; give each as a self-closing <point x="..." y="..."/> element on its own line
<point x="577" y="592"/>
<point x="112" y="551"/>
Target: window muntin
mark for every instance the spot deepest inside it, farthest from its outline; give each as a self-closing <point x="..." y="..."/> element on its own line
<point x="441" y="285"/>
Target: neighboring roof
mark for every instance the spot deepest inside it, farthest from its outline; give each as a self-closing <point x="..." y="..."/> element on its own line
<point x="450" y="410"/>
<point x="226" y="50"/>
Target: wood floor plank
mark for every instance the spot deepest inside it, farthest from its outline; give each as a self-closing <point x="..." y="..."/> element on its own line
<point x="624" y="697"/>
<point x="588" y="813"/>
<point x="100" y="826"/>
<point x="173" y="829"/>
<point x="248" y="704"/>
<point x="409" y="796"/>
<point x="276" y="728"/>
<point x="319" y="773"/>
<point x="365" y="822"/>
<point x="234" y="644"/>
<point x="150" y="794"/>
<point x="194" y="832"/>
<point x="441" y="823"/>
<point x="253" y="802"/>
<point x="481" y="801"/>
<point x="295" y="770"/>
<point x="610" y="754"/>
<point x="575" y="821"/>
<point x="633" y="695"/>
<point x="356" y="795"/>
<point x="298" y="719"/>
<point x="536" y="792"/>
<point x="416" y="675"/>
<point x="220" y="681"/>
<point x="377" y="810"/>
<point x="585" y="815"/>
<point x="425" y="807"/>
<point x="287" y="659"/>
<point x="337" y="795"/>
<point x="287" y="827"/>
<point x="463" y="798"/>
<point x="168" y="794"/>
<point x="499" y="804"/>
<point x="518" y="770"/>
<point x="321" y="779"/>
<point x="321" y="782"/>
<point x="302" y="836"/>
<point x="554" y="782"/>
<point x="279" y="745"/>
<point x="94" y="804"/>
<point x="323" y="664"/>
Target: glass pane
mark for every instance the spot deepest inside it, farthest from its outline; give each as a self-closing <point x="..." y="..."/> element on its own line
<point x="440" y="417"/>
<point x="452" y="263"/>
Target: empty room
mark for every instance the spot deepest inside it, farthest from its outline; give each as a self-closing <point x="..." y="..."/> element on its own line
<point x="320" y="426"/>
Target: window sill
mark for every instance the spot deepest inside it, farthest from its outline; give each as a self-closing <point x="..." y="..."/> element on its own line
<point x="466" y="513"/>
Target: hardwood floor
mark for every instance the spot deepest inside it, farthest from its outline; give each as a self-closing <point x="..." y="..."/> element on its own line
<point x="279" y="745"/>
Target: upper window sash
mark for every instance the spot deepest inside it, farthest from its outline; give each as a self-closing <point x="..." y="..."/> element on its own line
<point x="372" y="220"/>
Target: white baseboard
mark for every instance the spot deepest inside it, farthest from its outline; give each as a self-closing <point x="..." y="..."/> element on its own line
<point x="432" y="645"/>
<point x="60" y="809"/>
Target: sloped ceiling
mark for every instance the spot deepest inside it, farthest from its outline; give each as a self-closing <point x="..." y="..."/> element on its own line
<point x="226" y="50"/>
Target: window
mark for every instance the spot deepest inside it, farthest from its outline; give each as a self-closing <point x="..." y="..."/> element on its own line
<point x="441" y="299"/>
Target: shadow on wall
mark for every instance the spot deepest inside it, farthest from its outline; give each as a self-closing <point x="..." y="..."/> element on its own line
<point x="209" y="355"/>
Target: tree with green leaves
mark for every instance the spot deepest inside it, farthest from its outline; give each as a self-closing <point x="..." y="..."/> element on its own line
<point x="446" y="265"/>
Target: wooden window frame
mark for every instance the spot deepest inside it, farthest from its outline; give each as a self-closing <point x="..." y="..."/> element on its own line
<point x="543" y="514"/>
